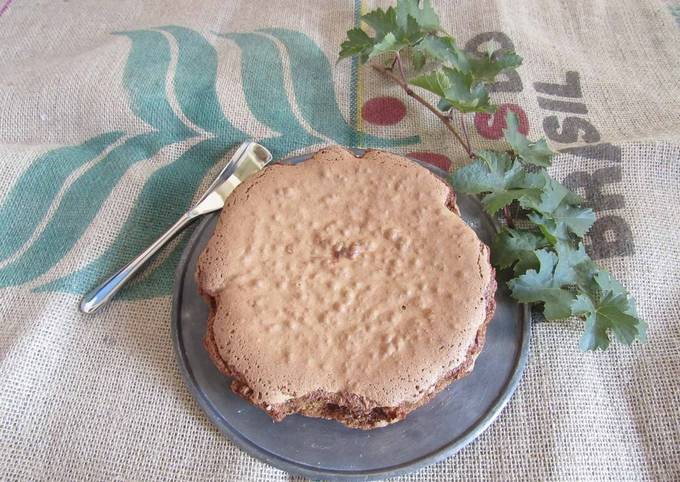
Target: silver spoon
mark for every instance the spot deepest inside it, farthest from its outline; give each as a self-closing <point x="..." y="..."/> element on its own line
<point x="248" y="159"/>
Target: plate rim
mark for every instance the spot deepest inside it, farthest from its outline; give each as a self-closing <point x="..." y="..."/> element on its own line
<point x="304" y="470"/>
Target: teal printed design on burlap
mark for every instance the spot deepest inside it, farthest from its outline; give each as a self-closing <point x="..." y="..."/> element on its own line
<point x="315" y="94"/>
<point x="265" y="92"/>
<point x="20" y="213"/>
<point x="144" y="78"/>
<point x="675" y="11"/>
<point x="168" y="192"/>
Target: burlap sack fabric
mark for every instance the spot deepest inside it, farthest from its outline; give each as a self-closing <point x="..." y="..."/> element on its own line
<point x="112" y="114"/>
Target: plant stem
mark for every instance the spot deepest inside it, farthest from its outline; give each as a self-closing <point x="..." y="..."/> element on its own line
<point x="397" y="59"/>
<point x="467" y="138"/>
<point x="402" y="83"/>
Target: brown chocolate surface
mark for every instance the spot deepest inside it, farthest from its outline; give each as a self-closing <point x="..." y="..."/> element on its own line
<point x="345" y="288"/>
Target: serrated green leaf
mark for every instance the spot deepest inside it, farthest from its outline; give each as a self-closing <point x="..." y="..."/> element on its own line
<point x="389" y="36"/>
<point x="608" y="308"/>
<point x="578" y="220"/>
<point x="412" y="33"/>
<point x="551" y="198"/>
<point x="572" y="198"/>
<point x="498" y="175"/>
<point x="563" y="222"/>
<point x="388" y="44"/>
<point x="556" y="213"/>
<point x="436" y="82"/>
<point x="490" y="172"/>
<point x="548" y="228"/>
<point x="457" y="88"/>
<point x="606" y="282"/>
<point x="595" y="334"/>
<point x="608" y="314"/>
<point x="536" y="153"/>
<point x="515" y="248"/>
<point x="541" y="286"/>
<point x="569" y="258"/>
<point x="444" y="50"/>
<point x="495" y="201"/>
<point x="357" y="43"/>
<point x="418" y="60"/>
<point x="585" y="277"/>
<point x="425" y="17"/>
<point x="382" y="22"/>
<point x="489" y="65"/>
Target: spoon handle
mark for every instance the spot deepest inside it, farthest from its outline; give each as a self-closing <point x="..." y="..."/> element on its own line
<point x="104" y="292"/>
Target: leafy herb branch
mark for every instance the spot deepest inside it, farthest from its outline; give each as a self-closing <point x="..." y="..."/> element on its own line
<point x="545" y="259"/>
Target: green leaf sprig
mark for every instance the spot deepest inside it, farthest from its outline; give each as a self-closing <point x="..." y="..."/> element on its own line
<point x="412" y="31"/>
<point x="546" y="258"/>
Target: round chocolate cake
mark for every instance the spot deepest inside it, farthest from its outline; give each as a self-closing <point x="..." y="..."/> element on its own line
<point x="345" y="287"/>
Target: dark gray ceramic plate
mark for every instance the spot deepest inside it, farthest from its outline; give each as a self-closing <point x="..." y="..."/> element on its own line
<point x="323" y="449"/>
